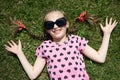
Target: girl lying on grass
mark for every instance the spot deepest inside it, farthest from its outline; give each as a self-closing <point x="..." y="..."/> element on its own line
<point x="63" y="53"/>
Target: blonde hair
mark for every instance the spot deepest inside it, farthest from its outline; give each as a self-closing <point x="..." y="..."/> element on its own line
<point x="53" y="11"/>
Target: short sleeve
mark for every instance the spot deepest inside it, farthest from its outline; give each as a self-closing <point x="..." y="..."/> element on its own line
<point x="40" y="51"/>
<point x="82" y="43"/>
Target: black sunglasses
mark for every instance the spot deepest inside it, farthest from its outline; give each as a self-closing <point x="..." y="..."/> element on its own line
<point x="59" y="22"/>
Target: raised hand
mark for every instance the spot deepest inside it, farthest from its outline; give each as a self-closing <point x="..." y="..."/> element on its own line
<point x="109" y="26"/>
<point x="13" y="47"/>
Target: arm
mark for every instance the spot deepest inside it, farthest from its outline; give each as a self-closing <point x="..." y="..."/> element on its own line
<point x="32" y="71"/>
<point x="100" y="55"/>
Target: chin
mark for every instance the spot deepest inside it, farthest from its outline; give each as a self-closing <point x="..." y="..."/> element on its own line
<point x="58" y="36"/>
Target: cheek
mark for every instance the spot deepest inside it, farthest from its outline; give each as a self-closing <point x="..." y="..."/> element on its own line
<point x="49" y="32"/>
<point x="65" y="29"/>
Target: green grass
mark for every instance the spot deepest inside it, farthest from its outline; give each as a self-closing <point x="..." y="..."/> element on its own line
<point x="31" y="13"/>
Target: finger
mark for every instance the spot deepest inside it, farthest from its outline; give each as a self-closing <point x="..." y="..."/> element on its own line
<point x="106" y="21"/>
<point x="7" y="47"/>
<point x="10" y="44"/>
<point x="110" y="23"/>
<point x="115" y="24"/>
<point x="13" y="42"/>
<point x="101" y="26"/>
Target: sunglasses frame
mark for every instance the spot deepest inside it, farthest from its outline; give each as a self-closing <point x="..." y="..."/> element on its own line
<point x="61" y="22"/>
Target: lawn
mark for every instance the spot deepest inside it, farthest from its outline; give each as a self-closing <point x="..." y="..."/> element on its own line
<point x="31" y="13"/>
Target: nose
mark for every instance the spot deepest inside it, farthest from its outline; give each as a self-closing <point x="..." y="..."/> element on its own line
<point x="55" y="26"/>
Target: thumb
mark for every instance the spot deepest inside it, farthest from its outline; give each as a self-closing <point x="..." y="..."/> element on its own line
<point x="101" y="26"/>
<point x="19" y="43"/>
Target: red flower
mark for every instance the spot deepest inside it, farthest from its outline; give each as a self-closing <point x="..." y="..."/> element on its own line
<point x="82" y="16"/>
<point x="22" y="26"/>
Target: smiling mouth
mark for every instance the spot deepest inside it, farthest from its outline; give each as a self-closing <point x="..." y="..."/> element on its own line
<point x="56" y="31"/>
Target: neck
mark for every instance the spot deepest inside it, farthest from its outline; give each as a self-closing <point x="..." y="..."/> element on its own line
<point x="60" y="40"/>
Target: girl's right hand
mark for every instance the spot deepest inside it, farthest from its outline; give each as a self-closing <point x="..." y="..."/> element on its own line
<point x="13" y="47"/>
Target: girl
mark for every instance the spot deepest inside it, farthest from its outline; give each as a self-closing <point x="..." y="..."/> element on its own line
<point x="62" y="53"/>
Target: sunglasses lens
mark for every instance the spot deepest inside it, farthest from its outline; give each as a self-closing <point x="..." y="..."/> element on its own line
<point x="61" y="22"/>
<point x="49" y="25"/>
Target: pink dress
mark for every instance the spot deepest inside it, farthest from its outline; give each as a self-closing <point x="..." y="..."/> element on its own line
<point x="65" y="60"/>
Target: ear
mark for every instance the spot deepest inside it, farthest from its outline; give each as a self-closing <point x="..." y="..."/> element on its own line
<point x="67" y="25"/>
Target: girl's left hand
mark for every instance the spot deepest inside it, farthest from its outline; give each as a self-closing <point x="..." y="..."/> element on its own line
<point x="109" y="26"/>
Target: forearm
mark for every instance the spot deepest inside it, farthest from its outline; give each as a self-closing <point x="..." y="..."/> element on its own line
<point x="26" y="65"/>
<point x="104" y="47"/>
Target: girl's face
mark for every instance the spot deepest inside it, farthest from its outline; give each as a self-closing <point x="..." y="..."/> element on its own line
<point x="58" y="33"/>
